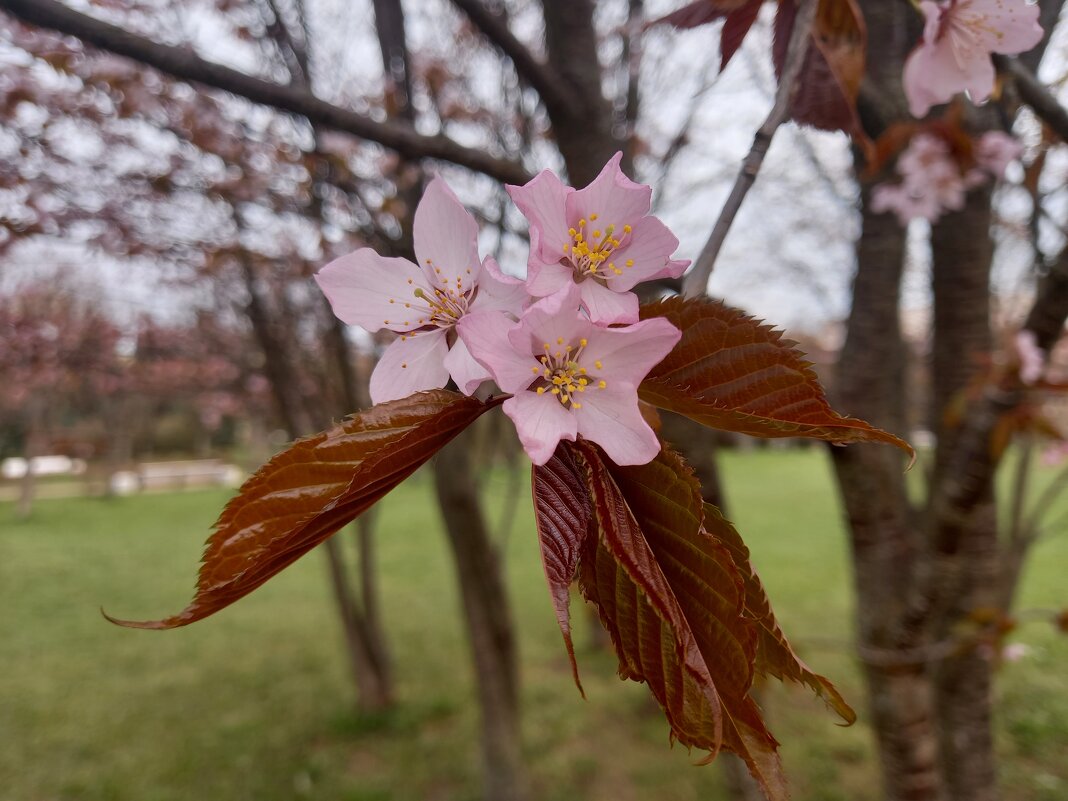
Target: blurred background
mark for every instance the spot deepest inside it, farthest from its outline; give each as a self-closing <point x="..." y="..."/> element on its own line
<point x="160" y="338"/>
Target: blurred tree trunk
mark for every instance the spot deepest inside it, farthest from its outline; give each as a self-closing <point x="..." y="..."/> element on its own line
<point x="871" y="384"/>
<point x="487" y="613"/>
<point x="370" y="670"/>
<point x="489" y="621"/>
<point x="967" y="569"/>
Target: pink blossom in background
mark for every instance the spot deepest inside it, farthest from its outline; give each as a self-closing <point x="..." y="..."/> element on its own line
<point x="423" y="302"/>
<point x="601" y="238"/>
<point x="1055" y="455"/>
<point x="931" y="183"/>
<point x="995" y="151"/>
<point x="570" y="377"/>
<point x="958" y="38"/>
<point x="1032" y="358"/>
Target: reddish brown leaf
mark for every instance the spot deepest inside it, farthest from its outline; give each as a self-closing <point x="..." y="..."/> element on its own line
<point x="563" y="515"/>
<point x="665" y="498"/>
<point x="732" y="372"/>
<point x="699" y="13"/>
<point x="826" y="96"/>
<point x="735" y="28"/>
<point x="308" y="492"/>
<point x="774" y="656"/>
<point x="671" y="599"/>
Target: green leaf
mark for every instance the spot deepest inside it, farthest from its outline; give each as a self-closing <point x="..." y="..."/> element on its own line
<point x="673" y="602"/>
<point x="314" y="488"/>
<point x="563" y="515"/>
<point x="732" y="372"/>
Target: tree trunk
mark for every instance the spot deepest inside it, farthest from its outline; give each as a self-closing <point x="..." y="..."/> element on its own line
<point x="871" y="384"/>
<point x="489" y="623"/>
<point x="968" y="565"/>
<point x="369" y="668"/>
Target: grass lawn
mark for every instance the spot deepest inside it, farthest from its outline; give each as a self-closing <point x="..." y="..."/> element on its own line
<point x="254" y="704"/>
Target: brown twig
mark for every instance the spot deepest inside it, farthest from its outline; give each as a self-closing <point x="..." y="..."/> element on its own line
<point x="1035" y="94"/>
<point x="696" y="282"/>
<point x="539" y="74"/>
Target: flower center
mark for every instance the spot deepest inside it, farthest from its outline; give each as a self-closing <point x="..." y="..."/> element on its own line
<point x="562" y="374"/>
<point x="446" y="306"/>
<point x="590" y="249"/>
<point x="438" y="308"/>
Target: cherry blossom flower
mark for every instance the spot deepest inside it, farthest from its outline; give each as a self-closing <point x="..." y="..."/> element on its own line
<point x="995" y="151"/>
<point x="931" y="183"/>
<point x="423" y="302"/>
<point x="570" y="377"/>
<point x="601" y="237"/>
<point x="954" y="54"/>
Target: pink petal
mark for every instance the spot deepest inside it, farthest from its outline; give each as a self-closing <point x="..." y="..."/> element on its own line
<point x="499" y="292"/>
<point x="1003" y="26"/>
<point x="606" y="306"/>
<point x="932" y="76"/>
<point x="446" y="234"/>
<point x="370" y="291"/>
<point x="932" y="25"/>
<point x="542" y="202"/>
<point x="996" y="150"/>
<point x="612" y="196"/>
<point x="541" y="422"/>
<point x="649" y="245"/>
<point x="547" y="278"/>
<point x="409" y="365"/>
<point x="465" y="371"/>
<point x="611" y="418"/>
<point x="486" y="335"/>
<point x="673" y="269"/>
<point x="550" y="319"/>
<point x="628" y="354"/>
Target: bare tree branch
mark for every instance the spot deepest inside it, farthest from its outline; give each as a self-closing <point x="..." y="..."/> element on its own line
<point x="186" y="65"/>
<point x="696" y="282"/>
<point x="1035" y="94"/>
<point x="552" y="89"/>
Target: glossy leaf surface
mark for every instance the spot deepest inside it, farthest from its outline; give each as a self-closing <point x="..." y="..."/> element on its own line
<point x="733" y="372"/>
<point x="673" y="602"/>
<point x="563" y="516"/>
<point x="312" y="489"/>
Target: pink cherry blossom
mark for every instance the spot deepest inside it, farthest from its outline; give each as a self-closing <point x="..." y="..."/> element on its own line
<point x="423" y="302"/>
<point x="570" y="377"/>
<point x="931" y="183"/>
<point x="601" y="238"/>
<point x="995" y="151"/>
<point x="954" y="54"/>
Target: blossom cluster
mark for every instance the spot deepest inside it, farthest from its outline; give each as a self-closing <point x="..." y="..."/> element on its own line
<point x="566" y="343"/>
<point x="934" y="180"/>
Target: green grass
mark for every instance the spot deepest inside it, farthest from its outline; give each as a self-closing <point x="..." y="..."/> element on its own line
<point x="254" y="704"/>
